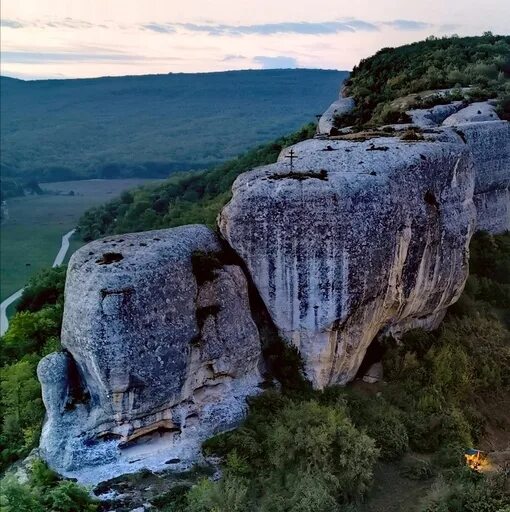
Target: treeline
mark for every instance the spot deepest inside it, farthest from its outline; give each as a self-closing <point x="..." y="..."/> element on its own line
<point x="10" y="187"/>
<point x="481" y="63"/>
<point x="184" y="199"/>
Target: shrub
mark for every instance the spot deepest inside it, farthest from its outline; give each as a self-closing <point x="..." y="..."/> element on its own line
<point x="418" y="469"/>
<point x="411" y="134"/>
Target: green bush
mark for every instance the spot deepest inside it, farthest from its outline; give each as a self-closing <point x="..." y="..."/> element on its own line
<point x="418" y="469"/>
<point x="43" y="492"/>
<point x="428" y="65"/>
<point x="294" y="453"/>
<point x="44" y="288"/>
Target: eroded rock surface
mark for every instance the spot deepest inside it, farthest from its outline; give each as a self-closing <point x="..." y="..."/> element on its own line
<point x="161" y="352"/>
<point x="356" y="239"/>
<point x="434" y="116"/>
<point x="475" y="113"/>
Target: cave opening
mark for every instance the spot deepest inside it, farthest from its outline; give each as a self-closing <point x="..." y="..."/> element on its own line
<point x="373" y="355"/>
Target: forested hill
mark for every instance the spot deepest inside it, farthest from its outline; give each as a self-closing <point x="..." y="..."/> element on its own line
<point x="149" y="126"/>
<point x="479" y="63"/>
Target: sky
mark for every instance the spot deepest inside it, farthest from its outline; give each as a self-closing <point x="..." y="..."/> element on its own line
<point x="89" y="38"/>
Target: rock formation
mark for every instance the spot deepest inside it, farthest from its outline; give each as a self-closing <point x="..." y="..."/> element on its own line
<point x="160" y="347"/>
<point x="352" y="240"/>
<point x="359" y="238"/>
<point x="489" y="144"/>
<point x="340" y="107"/>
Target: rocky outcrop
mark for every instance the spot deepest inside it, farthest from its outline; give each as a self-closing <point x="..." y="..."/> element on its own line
<point x="474" y="113"/>
<point x="489" y="144"/>
<point x="434" y="116"/>
<point x="350" y="241"/>
<point x="357" y="239"/>
<point x="488" y="140"/>
<point x="161" y="352"/>
<point x="338" y="108"/>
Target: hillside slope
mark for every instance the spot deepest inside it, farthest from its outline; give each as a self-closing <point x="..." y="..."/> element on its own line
<point x="148" y="126"/>
<point x="481" y="63"/>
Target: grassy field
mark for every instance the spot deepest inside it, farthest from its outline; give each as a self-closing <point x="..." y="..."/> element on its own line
<point x="32" y="232"/>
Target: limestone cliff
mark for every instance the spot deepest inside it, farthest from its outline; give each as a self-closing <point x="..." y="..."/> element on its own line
<point x="351" y="240"/>
<point x="161" y="351"/>
<point x="358" y="238"/>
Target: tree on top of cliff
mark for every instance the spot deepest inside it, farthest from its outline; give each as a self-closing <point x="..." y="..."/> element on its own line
<point x="482" y="63"/>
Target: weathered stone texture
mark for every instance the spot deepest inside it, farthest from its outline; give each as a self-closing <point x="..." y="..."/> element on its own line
<point x="358" y="238"/>
<point x="153" y="353"/>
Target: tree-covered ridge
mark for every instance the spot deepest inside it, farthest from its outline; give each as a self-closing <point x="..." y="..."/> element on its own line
<point x="151" y="126"/>
<point x="482" y="63"/>
<point x="183" y="199"/>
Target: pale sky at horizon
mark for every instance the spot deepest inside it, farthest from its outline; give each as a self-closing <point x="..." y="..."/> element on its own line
<point x="89" y="38"/>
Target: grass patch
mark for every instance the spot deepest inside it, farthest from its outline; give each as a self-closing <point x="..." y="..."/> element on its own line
<point x="32" y="233"/>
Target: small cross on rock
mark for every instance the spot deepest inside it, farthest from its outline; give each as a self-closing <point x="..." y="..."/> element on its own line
<point x="291" y="156"/>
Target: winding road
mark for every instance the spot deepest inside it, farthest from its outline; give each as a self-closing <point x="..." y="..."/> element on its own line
<point x="59" y="259"/>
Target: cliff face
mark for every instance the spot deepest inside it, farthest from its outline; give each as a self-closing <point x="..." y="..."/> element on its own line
<point x="350" y="241"/>
<point x="160" y="347"/>
<point x="358" y="238"/>
<point x="489" y="143"/>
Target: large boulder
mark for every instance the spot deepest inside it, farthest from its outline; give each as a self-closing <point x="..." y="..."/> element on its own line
<point x="474" y="113"/>
<point x="160" y="353"/>
<point x="434" y="116"/>
<point x="338" y="108"/>
<point x="359" y="238"/>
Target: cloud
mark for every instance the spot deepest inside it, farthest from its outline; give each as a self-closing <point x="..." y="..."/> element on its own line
<point x="230" y="57"/>
<point x="162" y="28"/>
<point x="71" y="23"/>
<point x="275" y="62"/>
<point x="11" y="24"/>
<point x="299" y="27"/>
<point x="291" y="27"/>
<point x="408" y="25"/>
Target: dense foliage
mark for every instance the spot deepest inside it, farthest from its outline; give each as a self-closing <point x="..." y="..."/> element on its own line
<point x="482" y="63"/>
<point x="153" y="125"/>
<point x="44" y="491"/>
<point x="184" y="199"/>
<point x="33" y="332"/>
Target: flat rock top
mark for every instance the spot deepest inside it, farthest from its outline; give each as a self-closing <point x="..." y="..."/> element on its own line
<point x="324" y="163"/>
<point x="134" y="251"/>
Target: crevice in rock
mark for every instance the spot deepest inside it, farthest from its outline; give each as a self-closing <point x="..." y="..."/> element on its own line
<point x="203" y="313"/>
<point x="161" y="427"/>
<point x="301" y="176"/>
<point x="122" y="291"/>
<point x="462" y="135"/>
<point x="77" y="391"/>
<point x="204" y="266"/>
<point x="282" y="362"/>
<point x="430" y="199"/>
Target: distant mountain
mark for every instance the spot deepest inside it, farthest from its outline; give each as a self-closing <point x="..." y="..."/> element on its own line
<point x="149" y="126"/>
